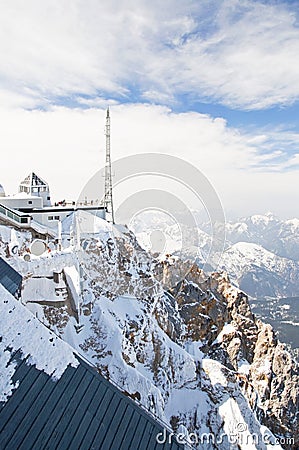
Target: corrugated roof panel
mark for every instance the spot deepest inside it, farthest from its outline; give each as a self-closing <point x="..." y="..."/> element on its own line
<point x="137" y="441"/>
<point x="88" y="426"/>
<point x="25" y="380"/>
<point x="24" y="415"/>
<point x="81" y="430"/>
<point x="40" y="418"/>
<point x="113" y="419"/>
<point x="147" y="434"/>
<point x="9" y="277"/>
<point x="75" y="402"/>
<point x="27" y="425"/>
<point x="130" y="431"/>
<point x="73" y="415"/>
<point x="55" y="413"/>
<point x="152" y="443"/>
<point x="100" y="411"/>
<point x="20" y="396"/>
<point x="104" y="428"/>
<point x="122" y="428"/>
<point x="81" y="410"/>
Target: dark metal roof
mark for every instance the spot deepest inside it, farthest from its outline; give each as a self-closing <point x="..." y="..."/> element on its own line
<point x="9" y="277"/>
<point x="81" y="410"/>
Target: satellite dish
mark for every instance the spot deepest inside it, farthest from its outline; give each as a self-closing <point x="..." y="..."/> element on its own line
<point x="13" y="248"/>
<point x="38" y="247"/>
<point x="27" y="257"/>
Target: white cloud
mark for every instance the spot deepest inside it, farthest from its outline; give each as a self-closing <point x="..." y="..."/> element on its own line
<point x="250" y="61"/>
<point x="66" y="147"/>
<point x="88" y="54"/>
<point x="242" y="53"/>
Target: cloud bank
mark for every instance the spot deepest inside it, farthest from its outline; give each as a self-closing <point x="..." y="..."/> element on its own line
<point x="66" y="147"/>
<point x="240" y="53"/>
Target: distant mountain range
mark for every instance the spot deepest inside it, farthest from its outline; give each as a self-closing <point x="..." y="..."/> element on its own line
<point x="260" y="272"/>
<point x="264" y="256"/>
<point x="261" y="257"/>
<point x="280" y="237"/>
<point x="261" y="252"/>
<point x="263" y="260"/>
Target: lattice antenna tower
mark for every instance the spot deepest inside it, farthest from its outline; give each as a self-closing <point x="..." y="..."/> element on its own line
<point x="108" y="199"/>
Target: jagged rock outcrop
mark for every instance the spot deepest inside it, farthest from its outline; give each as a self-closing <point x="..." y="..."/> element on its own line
<point x="184" y="344"/>
<point x="270" y="382"/>
<point x="275" y="377"/>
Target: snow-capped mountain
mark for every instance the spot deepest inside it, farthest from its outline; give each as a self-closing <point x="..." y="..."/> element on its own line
<point x="280" y="237"/>
<point x="182" y="343"/>
<point x="260" y="255"/>
<point x="261" y="252"/>
<point x="260" y="272"/>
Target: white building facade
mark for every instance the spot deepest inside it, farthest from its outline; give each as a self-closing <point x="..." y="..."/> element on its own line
<point x="34" y="199"/>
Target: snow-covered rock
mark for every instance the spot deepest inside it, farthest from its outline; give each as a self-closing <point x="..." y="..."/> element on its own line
<point x="182" y="343"/>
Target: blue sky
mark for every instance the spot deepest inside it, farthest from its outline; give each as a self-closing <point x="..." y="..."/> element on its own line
<point x="225" y="71"/>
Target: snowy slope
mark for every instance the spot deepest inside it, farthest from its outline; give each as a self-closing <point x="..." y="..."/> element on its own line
<point x="20" y="330"/>
<point x="171" y="337"/>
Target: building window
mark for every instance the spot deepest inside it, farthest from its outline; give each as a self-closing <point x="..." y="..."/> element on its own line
<point x="48" y="198"/>
<point x="57" y="217"/>
<point x="29" y="202"/>
<point x="50" y="217"/>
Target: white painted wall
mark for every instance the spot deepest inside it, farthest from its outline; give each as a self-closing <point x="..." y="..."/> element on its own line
<point x="50" y="219"/>
<point x="25" y="201"/>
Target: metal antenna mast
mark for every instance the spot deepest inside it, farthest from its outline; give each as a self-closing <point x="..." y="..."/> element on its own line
<point x="108" y="201"/>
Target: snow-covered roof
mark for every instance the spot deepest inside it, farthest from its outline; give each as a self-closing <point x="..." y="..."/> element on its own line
<point x="20" y="330"/>
<point x="50" y="397"/>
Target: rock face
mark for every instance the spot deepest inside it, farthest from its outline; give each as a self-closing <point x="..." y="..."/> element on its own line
<point x="261" y="251"/>
<point x="270" y="381"/>
<point x="184" y="344"/>
<point x="276" y="378"/>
